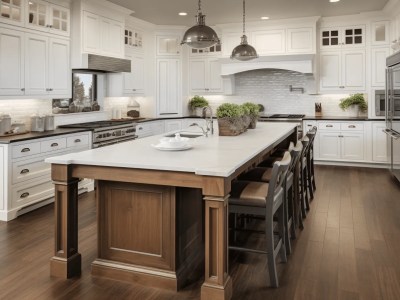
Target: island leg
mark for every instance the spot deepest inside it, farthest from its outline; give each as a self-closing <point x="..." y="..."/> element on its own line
<point x="66" y="262"/>
<point x="217" y="283"/>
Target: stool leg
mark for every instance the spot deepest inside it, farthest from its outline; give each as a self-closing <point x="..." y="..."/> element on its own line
<point x="313" y="174"/>
<point x="292" y="229"/>
<point x="306" y="189"/>
<point x="286" y="235"/>
<point x="269" y="231"/>
<point x="282" y="232"/>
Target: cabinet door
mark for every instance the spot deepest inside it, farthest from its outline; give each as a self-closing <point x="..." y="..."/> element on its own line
<point x="379" y="66"/>
<point x="269" y="42"/>
<point x="59" y="19"/>
<point x="197" y="76"/>
<point x="172" y="125"/>
<point x="300" y="40"/>
<point x="12" y="11"/>
<point x="11" y="62"/>
<point x="353" y="36"/>
<point x="36" y="64"/>
<point x="380" y="33"/>
<point x="168" y="45"/>
<point x="353" y="70"/>
<point x="91" y="33"/>
<point x="352" y="145"/>
<point x="379" y="143"/>
<point x="134" y="81"/>
<point x="330" y="38"/>
<point x="215" y="83"/>
<point x="115" y="39"/>
<point x="229" y="42"/>
<point x="38" y="15"/>
<point x="330" y="70"/>
<point x="168" y="86"/>
<point x="329" y="145"/>
<point x="59" y="68"/>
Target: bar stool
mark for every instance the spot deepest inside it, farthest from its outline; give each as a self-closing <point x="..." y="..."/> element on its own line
<point x="303" y="184"/>
<point x="311" y="134"/>
<point x="263" y="174"/>
<point x="266" y="200"/>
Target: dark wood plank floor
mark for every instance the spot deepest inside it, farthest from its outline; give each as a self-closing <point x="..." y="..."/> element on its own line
<point x="349" y="249"/>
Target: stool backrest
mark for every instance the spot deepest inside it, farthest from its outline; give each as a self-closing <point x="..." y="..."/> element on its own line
<point x="295" y="152"/>
<point x="306" y="143"/>
<point x="279" y="171"/>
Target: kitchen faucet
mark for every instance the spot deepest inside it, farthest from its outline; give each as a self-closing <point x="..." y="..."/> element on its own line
<point x="209" y="122"/>
<point x="205" y="132"/>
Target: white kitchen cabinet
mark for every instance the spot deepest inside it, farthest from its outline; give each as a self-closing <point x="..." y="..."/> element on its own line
<point x="300" y="40"/>
<point x="48" y="17"/>
<point x="25" y="182"/>
<point x="380" y="33"/>
<point x="379" y="142"/>
<point x="102" y="36"/>
<point x="378" y="66"/>
<point x="146" y="129"/>
<point x="230" y="41"/>
<point x="205" y="76"/>
<point x="133" y="39"/>
<point x="12" y="12"/>
<point x="47" y="66"/>
<point x="169" y="87"/>
<point x="342" y="37"/>
<point x="352" y="146"/>
<point x="168" y="45"/>
<point x="213" y="50"/>
<point x="172" y="125"/>
<point x="329" y="145"/>
<point x="269" y="42"/>
<point x="12" y="66"/>
<point x="343" y="70"/>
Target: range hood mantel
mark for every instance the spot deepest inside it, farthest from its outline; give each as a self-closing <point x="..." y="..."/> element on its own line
<point x="299" y="63"/>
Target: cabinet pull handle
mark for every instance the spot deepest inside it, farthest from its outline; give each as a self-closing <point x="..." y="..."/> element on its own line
<point x="25" y="150"/>
<point x="24" y="195"/>
<point x="24" y="171"/>
<point x="77" y="141"/>
<point x="54" y="145"/>
<point x="140" y="128"/>
<point x="23" y="90"/>
<point x="329" y="126"/>
<point x="342" y="87"/>
<point x="352" y="126"/>
<point x="309" y="125"/>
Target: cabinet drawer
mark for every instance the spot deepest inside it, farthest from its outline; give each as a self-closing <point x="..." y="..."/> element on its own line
<point x="78" y="141"/>
<point x="31" y="193"/>
<point x="328" y="126"/>
<point x="352" y="126"/>
<point x="25" y="150"/>
<point x="29" y="169"/>
<point x="53" y="145"/>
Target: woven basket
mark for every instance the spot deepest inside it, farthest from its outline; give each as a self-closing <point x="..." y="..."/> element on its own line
<point x="246" y="121"/>
<point x="253" y="122"/>
<point x="230" y="126"/>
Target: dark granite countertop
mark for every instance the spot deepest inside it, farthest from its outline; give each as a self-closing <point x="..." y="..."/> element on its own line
<point x="38" y="135"/>
<point x="340" y="118"/>
<point x="161" y="119"/>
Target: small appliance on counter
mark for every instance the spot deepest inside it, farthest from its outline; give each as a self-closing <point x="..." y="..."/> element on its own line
<point x="133" y="109"/>
<point x="37" y="123"/>
<point x="48" y="123"/>
<point x="5" y="124"/>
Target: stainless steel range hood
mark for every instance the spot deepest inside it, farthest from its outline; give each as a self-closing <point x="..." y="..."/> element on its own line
<point x="103" y="64"/>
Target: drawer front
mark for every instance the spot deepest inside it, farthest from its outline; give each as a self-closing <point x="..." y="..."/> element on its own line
<point x="22" y="196"/>
<point x="25" y="150"/>
<point x="25" y="170"/>
<point x="53" y="145"/>
<point x="352" y="126"/>
<point x="329" y="126"/>
<point x="78" y="141"/>
<point x="143" y="130"/>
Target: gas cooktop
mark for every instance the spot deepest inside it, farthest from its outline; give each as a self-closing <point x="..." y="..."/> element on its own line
<point x="286" y="116"/>
<point x="97" y="124"/>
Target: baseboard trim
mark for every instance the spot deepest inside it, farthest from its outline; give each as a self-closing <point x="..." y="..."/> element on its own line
<point x="352" y="164"/>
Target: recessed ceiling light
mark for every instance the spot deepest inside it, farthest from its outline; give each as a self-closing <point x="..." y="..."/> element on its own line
<point x="332" y="1"/>
<point x="264" y="18"/>
<point x="183" y="13"/>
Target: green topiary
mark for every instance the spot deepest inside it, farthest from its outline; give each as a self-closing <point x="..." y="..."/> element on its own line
<point x="229" y="110"/>
<point x="198" y="102"/>
<point x="251" y="108"/>
<point x="356" y="99"/>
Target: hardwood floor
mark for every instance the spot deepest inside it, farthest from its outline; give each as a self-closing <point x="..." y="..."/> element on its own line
<point x="349" y="249"/>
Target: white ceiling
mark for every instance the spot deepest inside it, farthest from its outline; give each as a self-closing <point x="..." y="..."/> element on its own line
<point x="165" y="12"/>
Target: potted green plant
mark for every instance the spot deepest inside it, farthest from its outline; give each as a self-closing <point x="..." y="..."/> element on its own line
<point x="196" y="104"/>
<point x="230" y="121"/>
<point x="355" y="103"/>
<point x="246" y="116"/>
<point x="253" y="110"/>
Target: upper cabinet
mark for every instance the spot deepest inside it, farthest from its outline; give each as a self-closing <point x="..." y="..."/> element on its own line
<point x="205" y="76"/>
<point x="380" y="33"/>
<point x="269" y="41"/>
<point x="48" y="17"/>
<point x="168" y="45"/>
<point x="133" y="39"/>
<point x="342" y="37"/>
<point x="12" y="12"/>
<point x="300" y="40"/>
<point x="213" y="50"/>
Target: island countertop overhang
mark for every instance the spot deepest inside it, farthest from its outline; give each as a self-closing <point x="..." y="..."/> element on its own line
<point x="211" y="156"/>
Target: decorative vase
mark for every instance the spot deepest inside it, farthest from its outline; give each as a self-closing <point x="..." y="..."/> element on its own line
<point x="198" y="111"/>
<point x="230" y="126"/>
<point x="353" y="111"/>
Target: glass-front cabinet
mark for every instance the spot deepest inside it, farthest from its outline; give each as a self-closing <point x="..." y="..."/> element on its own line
<point x="133" y="39"/>
<point x="48" y="17"/>
<point x="11" y="11"/>
<point x="341" y="37"/>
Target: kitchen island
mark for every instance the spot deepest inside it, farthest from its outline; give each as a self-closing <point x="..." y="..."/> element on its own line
<point x="153" y="227"/>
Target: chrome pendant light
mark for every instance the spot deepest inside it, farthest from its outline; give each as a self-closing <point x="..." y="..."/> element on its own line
<point x="244" y="51"/>
<point x="200" y="36"/>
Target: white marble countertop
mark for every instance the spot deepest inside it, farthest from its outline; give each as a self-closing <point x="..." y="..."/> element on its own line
<point x="213" y="156"/>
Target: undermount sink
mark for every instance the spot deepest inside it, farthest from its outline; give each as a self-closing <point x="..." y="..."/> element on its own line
<point x="186" y="135"/>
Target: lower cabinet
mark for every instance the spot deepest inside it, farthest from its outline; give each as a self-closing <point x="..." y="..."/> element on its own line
<point x="352" y="146"/>
<point x="379" y="142"/>
<point x="25" y="179"/>
<point x="172" y="125"/>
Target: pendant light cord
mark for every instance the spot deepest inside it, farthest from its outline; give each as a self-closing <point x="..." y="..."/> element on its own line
<point x="244" y="17"/>
<point x="199" y="9"/>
